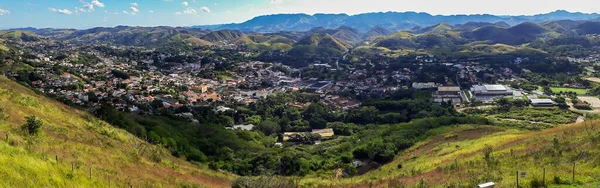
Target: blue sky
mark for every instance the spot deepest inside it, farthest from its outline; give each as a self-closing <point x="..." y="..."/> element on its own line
<point x="94" y="13"/>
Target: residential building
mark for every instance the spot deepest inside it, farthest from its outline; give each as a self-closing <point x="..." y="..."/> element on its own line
<point x="325" y="133"/>
<point x="428" y="85"/>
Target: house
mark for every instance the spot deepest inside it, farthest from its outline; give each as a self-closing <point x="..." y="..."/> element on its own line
<point x="448" y="93"/>
<point x="324" y="133"/>
<point x="221" y="109"/>
<point x="542" y="102"/>
<point x="8" y="60"/>
<point x="248" y="127"/>
<point x="320" y="87"/>
<point x="288" y="135"/>
<point x="418" y="85"/>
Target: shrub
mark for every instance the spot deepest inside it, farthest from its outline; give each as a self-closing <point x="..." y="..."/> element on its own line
<point x="33" y="125"/>
<point x="264" y="182"/>
<point x="535" y="183"/>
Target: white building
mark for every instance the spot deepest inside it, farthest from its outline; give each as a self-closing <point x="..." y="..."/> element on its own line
<point x="487" y="93"/>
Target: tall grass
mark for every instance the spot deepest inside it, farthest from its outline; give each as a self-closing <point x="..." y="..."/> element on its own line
<point x="82" y="143"/>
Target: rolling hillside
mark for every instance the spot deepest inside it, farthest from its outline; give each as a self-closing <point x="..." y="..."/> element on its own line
<point x="132" y="36"/>
<point x="469" y="155"/>
<point x="20" y="36"/>
<point x="222" y="35"/>
<point x="323" y="41"/>
<point x="519" y="34"/>
<point x="265" y="42"/>
<point x="74" y="149"/>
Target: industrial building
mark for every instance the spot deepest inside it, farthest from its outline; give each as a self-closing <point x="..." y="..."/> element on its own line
<point x="488" y="93"/>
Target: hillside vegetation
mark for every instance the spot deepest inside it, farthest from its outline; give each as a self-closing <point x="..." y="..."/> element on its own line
<point x="74" y="149"/>
<point x="468" y="155"/>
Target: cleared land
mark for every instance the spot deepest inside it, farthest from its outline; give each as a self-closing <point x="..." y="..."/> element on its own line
<point x="564" y="89"/>
<point x="594" y="101"/>
<point x="593" y="79"/>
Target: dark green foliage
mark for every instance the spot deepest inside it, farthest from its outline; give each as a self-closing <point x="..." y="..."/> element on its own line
<point x="33" y="125"/>
<point x="265" y="182"/>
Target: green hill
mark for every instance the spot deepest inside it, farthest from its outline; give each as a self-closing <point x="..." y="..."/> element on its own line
<point x="323" y="41"/>
<point x="520" y="34"/>
<point x="588" y="28"/>
<point x="561" y="26"/>
<point x="468" y="155"/>
<point x="439" y="28"/>
<point x="222" y="35"/>
<point x="265" y="42"/>
<point x="348" y="35"/>
<point x="470" y="26"/>
<point x="74" y="149"/>
<point x="134" y="36"/>
<point x="20" y="36"/>
<point x="377" y="31"/>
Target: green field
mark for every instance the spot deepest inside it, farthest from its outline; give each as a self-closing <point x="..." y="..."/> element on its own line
<point x="564" y="89"/>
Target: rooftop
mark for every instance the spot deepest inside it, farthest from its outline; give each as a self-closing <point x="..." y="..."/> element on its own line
<point x="449" y="88"/>
<point x="495" y="87"/>
<point x="541" y="101"/>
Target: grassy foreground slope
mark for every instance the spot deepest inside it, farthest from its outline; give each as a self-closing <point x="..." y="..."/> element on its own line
<point x="90" y="152"/>
<point x="467" y="155"/>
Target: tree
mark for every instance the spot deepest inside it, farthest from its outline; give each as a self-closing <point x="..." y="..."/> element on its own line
<point x="364" y="115"/>
<point x="33" y="125"/>
<point x="269" y="127"/>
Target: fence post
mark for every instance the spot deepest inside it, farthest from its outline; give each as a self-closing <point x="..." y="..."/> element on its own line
<point x="573" y="172"/>
<point x="544" y="177"/>
<point x="90" y="172"/>
<point x="56" y="159"/>
<point x="517" y="179"/>
<point x="6" y="137"/>
<point x="73" y="167"/>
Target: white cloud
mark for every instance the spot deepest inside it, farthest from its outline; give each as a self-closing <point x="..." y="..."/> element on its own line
<point x="61" y="11"/>
<point x="134" y="9"/>
<point x="185" y="3"/>
<point x="178" y="13"/>
<point x="190" y="11"/>
<point x="4" y="12"/>
<point x="276" y="1"/>
<point x="89" y="7"/>
<point x="134" y="4"/>
<point x="151" y="11"/>
<point x="205" y="9"/>
<point x="125" y="12"/>
<point x="97" y="3"/>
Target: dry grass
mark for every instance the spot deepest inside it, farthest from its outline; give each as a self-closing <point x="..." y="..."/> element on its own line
<point x="81" y="142"/>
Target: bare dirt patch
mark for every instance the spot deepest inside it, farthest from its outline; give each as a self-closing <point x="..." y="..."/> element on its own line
<point x="594" y="101"/>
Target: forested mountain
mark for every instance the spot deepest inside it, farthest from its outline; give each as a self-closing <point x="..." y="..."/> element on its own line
<point x="393" y="21"/>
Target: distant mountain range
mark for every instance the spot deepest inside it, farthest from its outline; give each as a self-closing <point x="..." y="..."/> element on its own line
<point x="393" y="21"/>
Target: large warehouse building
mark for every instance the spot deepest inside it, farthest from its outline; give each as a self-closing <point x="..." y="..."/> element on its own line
<point x="487" y="93"/>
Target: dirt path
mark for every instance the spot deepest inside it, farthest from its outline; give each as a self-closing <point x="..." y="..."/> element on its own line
<point x="580" y="119"/>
